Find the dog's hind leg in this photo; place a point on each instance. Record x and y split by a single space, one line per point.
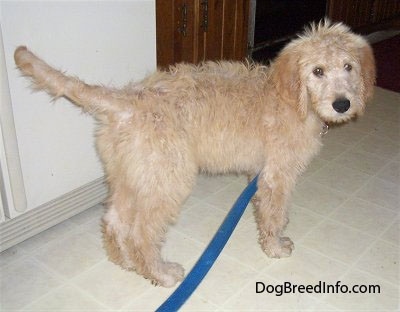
136 223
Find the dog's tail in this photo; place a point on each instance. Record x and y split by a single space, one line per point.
97 100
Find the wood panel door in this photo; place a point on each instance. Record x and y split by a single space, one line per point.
366 15
353 13
197 30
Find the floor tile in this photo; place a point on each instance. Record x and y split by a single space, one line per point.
381 192
385 106
375 144
392 234
391 172
248 299
200 222
198 304
301 221
388 111
93 227
316 164
11 255
94 213
182 249
346 134
149 300
206 186
340 178
245 238
225 198
306 267
224 279
365 124
318 198
54 233
190 202
23 282
72 255
364 216
325 307
361 161
242 180
65 298
382 260
111 285
331 150
387 299
388 129
337 241
156 296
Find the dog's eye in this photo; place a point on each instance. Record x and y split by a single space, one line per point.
348 67
318 71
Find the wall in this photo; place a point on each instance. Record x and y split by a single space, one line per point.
100 42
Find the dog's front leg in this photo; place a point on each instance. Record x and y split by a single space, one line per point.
274 188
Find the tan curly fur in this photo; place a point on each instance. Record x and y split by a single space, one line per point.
156 135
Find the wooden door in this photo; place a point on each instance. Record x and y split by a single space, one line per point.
197 30
226 37
175 31
365 15
354 13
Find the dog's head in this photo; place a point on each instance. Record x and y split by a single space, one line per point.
327 69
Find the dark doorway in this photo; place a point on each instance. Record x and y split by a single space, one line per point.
276 21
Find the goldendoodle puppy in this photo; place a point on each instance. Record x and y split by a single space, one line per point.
156 135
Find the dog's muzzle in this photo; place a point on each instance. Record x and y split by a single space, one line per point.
341 105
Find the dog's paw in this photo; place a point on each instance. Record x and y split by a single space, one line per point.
169 274
280 247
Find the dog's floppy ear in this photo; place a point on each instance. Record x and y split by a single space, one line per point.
286 78
367 62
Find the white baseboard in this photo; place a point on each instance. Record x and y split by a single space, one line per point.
18 229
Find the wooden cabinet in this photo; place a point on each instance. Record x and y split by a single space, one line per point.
366 15
197 30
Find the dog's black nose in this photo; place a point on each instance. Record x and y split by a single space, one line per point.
341 105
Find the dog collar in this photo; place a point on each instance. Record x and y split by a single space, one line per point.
324 129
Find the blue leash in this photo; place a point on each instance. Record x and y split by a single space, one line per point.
207 259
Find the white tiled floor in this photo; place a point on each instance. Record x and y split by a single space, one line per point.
344 220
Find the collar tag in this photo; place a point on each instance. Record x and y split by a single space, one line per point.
324 129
